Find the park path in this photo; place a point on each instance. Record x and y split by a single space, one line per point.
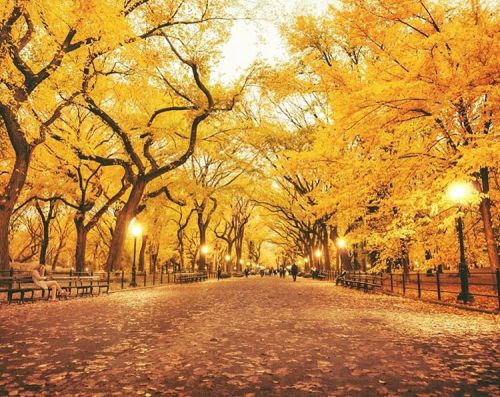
247 337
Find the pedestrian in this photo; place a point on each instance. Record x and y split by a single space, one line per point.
219 272
261 272
40 279
246 272
294 271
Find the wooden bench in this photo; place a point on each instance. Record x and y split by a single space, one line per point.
84 285
189 277
21 287
362 281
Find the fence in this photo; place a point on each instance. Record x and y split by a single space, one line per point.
483 286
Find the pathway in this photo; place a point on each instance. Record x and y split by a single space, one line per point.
247 337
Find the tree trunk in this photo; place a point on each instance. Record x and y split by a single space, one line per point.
45 242
142 252
4 239
239 246
485 208
122 222
326 250
238 249
9 196
229 251
203 239
180 248
81 244
153 256
405 259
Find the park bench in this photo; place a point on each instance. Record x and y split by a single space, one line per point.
21 287
189 277
321 276
362 281
84 285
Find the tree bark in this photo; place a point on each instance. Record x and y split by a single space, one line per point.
8 198
326 250
203 239
122 222
81 244
229 251
485 208
45 242
239 246
180 248
238 249
46 219
142 252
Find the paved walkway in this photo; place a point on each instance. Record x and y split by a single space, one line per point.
247 337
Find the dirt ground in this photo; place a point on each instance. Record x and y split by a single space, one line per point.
247 337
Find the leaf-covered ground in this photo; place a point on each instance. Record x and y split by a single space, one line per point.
246 337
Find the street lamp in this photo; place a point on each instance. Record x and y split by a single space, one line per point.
136 230
228 259
461 193
341 243
204 252
317 254
306 261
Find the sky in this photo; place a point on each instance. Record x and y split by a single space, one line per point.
261 39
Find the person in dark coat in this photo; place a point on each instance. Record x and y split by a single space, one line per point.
294 271
219 272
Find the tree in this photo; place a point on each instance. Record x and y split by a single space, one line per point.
27 100
411 90
171 46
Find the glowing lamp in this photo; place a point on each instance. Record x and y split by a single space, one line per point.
341 243
460 192
135 229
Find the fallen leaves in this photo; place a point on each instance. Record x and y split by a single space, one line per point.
335 343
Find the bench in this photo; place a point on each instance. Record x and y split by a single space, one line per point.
365 281
21 287
189 277
84 285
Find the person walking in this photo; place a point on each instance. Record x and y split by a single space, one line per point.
294 271
219 272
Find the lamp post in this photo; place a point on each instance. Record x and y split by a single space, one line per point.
317 254
306 261
461 193
341 244
228 259
204 252
136 230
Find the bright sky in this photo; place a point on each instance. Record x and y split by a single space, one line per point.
261 39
